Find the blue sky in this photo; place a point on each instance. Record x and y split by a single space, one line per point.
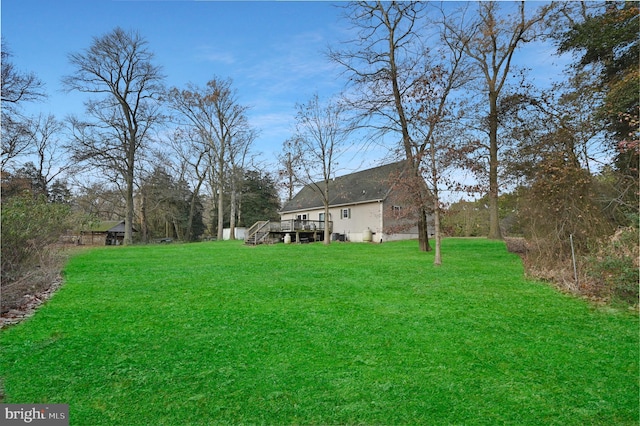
273 51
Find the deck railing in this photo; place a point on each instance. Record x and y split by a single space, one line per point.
263 230
293 225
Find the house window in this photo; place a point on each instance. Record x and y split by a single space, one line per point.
397 210
321 217
302 217
345 213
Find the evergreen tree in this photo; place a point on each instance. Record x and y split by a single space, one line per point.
259 198
608 41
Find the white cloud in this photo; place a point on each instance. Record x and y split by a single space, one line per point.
215 55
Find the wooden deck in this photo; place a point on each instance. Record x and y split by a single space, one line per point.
300 231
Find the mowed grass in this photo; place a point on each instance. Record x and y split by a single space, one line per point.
222 333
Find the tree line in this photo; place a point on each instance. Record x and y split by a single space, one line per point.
155 148
438 80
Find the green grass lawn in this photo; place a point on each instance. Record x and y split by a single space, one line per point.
221 333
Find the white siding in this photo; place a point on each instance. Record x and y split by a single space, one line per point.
362 217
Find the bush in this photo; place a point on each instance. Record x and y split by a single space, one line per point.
30 225
614 267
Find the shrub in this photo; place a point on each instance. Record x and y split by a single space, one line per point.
29 227
614 266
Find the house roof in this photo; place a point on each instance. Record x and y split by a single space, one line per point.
360 187
108 226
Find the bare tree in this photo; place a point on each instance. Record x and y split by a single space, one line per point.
100 201
117 70
384 62
15 139
322 135
51 158
289 162
491 38
192 155
431 123
239 150
17 88
220 121
432 110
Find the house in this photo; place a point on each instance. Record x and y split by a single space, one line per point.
369 205
105 233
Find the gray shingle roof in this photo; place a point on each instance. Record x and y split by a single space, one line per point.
107 225
367 185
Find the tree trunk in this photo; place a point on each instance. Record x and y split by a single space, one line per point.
128 220
192 210
494 218
232 216
213 208
437 260
239 210
327 239
423 230
421 197
327 231
144 224
177 230
220 194
220 211
221 173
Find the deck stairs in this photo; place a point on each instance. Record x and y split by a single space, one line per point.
258 233
266 231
